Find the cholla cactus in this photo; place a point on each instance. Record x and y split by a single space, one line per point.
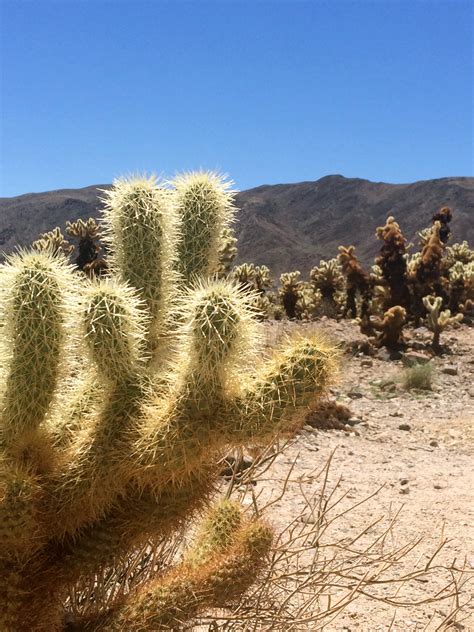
328 280
290 287
444 217
458 253
118 399
255 279
392 262
227 252
248 275
54 242
425 273
88 234
438 320
357 281
461 284
308 303
390 327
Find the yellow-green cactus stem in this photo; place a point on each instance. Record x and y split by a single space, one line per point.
204 202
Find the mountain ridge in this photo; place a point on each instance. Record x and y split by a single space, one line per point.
285 226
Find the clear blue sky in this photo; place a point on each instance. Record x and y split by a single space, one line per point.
267 91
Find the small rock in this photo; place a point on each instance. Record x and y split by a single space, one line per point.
403 481
355 394
383 354
450 369
367 362
420 331
412 358
308 428
406 427
439 485
471 392
397 413
352 421
404 490
434 443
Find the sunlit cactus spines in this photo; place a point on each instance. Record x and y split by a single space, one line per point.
37 312
141 229
119 398
205 207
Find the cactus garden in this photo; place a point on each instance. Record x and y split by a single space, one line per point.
137 358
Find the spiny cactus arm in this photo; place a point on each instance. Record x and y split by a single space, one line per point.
141 226
37 312
282 391
224 562
204 206
136 518
90 477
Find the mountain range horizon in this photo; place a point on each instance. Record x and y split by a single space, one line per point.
285 226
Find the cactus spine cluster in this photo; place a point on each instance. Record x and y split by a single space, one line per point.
118 398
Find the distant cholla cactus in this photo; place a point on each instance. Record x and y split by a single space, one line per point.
290 287
88 234
423 236
256 279
328 280
53 242
392 263
308 302
461 285
458 253
227 252
425 274
357 281
438 320
390 327
252 276
444 217
119 398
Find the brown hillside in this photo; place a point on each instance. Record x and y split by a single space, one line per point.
285 226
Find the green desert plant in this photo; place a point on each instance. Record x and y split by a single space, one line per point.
418 377
119 397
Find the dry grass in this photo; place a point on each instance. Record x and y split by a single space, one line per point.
313 573
418 377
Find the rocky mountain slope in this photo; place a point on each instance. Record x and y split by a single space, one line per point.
285 226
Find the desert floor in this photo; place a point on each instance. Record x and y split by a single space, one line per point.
416 446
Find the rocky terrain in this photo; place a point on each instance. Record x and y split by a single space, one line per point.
418 446
284 226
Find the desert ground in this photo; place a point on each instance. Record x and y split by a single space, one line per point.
416 449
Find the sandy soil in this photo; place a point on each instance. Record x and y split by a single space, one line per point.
417 445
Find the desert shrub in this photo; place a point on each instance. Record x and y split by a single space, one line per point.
418 377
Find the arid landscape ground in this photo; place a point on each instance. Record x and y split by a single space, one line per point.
416 448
